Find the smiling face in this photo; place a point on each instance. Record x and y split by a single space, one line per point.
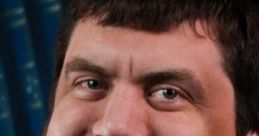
119 81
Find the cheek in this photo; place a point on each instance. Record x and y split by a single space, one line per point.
180 124
72 117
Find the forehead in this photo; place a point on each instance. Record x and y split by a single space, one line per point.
181 44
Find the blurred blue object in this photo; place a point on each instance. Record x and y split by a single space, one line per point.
28 31
6 119
44 17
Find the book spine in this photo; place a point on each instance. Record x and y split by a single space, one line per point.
44 18
6 121
19 50
50 14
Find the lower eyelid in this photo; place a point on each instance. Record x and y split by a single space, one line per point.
89 94
167 105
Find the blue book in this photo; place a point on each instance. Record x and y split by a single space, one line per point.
44 17
23 80
6 120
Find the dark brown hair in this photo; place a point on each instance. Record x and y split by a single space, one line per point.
234 23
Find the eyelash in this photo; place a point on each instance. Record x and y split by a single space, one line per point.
87 80
177 91
83 90
155 94
179 100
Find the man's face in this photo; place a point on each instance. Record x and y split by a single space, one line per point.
119 81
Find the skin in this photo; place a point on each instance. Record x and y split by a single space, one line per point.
132 71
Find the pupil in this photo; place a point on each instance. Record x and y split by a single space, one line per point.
93 84
170 94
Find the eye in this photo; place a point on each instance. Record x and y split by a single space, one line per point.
167 98
165 93
90 88
92 84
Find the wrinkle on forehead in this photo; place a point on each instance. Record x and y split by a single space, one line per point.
125 45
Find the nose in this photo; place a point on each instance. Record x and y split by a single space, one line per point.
124 115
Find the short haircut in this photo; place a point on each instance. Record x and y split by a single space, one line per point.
233 23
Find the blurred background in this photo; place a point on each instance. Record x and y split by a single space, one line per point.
27 39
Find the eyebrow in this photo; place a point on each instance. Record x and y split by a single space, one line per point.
163 74
84 65
184 77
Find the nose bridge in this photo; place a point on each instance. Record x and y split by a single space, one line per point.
124 114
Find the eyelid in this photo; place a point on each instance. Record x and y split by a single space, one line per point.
82 89
162 103
182 93
84 78
157 86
